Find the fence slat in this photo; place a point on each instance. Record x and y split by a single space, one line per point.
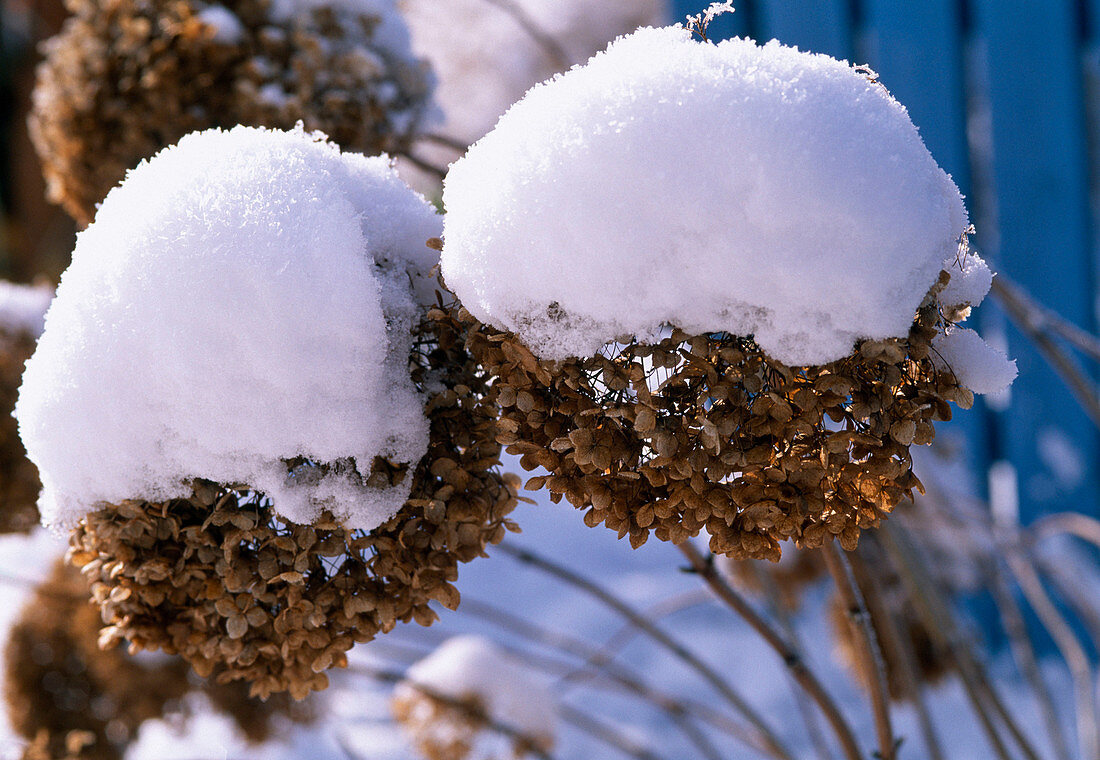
1040 175
820 26
917 49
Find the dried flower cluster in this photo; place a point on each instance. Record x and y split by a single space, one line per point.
19 484
706 431
72 699
126 78
449 730
222 580
784 582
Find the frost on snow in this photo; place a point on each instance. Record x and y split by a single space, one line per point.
242 299
474 669
716 187
975 364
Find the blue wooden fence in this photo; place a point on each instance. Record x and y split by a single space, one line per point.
1005 95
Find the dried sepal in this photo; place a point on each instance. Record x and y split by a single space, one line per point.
707 431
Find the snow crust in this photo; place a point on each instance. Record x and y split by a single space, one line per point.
473 666
243 298
977 365
23 307
755 190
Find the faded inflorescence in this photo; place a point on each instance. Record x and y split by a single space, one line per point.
125 79
221 579
707 432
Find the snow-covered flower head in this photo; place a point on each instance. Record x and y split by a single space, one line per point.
710 281
243 407
471 700
125 79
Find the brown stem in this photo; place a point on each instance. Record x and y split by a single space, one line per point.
679 711
941 625
470 709
772 599
425 166
1073 653
900 647
768 737
1079 383
797 666
867 648
554 51
1023 651
584 722
1042 318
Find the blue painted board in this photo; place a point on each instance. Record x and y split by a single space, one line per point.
1040 174
917 50
820 26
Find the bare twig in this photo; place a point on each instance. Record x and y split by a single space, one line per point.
1024 653
470 709
679 711
1032 325
582 721
901 647
769 739
797 666
1073 653
1045 319
867 648
559 59
941 625
425 166
446 141
779 612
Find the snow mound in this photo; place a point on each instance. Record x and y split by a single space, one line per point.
23 307
473 667
242 299
977 365
716 187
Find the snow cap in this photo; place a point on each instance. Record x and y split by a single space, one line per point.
717 187
242 299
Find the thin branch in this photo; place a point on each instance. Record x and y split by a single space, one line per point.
425 166
680 712
559 59
941 625
458 146
1044 319
902 649
470 709
770 740
867 648
1073 653
1082 387
1023 651
797 666
779 612
582 721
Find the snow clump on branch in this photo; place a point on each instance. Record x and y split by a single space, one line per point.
242 303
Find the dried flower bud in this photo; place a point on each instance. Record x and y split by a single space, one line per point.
222 580
707 431
126 79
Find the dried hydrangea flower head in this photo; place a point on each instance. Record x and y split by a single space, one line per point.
470 700
709 280
69 697
21 311
266 445
125 79
784 582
